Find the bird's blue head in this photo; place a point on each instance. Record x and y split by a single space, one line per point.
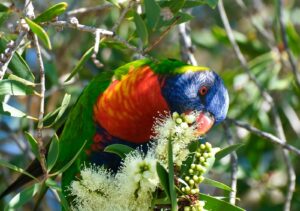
201 91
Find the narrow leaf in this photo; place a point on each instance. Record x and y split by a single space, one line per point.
59 111
216 184
152 13
64 168
213 203
163 178
51 12
114 2
81 62
33 144
15 168
226 151
3 8
8 110
22 198
56 188
16 88
176 5
119 149
194 3
171 176
141 28
17 64
40 32
53 152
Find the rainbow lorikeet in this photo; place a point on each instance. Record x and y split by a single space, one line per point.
120 106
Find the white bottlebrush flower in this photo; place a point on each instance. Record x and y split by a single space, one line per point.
137 180
181 130
94 190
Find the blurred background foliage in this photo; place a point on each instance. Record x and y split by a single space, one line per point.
262 174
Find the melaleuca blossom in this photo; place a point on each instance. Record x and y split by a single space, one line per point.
181 130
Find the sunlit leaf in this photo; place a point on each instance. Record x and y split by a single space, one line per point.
3 8
17 64
81 62
216 184
114 2
22 198
212 203
13 87
40 32
119 149
51 12
59 111
8 110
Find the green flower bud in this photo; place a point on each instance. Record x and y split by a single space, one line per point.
191 171
178 120
191 182
195 177
187 208
175 115
202 146
193 166
198 155
187 178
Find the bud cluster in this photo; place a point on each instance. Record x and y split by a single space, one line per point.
194 175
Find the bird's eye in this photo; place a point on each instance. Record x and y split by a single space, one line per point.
203 90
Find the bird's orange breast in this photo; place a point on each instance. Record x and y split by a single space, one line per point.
128 107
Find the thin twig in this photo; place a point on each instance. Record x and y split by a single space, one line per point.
42 151
268 98
268 136
9 52
76 25
234 165
122 16
285 43
163 34
187 50
84 10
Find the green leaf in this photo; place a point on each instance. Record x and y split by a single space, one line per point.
53 152
59 111
40 32
3 8
163 178
15 168
216 184
171 176
65 167
33 144
119 149
17 64
212 203
176 5
56 188
141 28
22 198
16 88
152 11
81 62
8 110
226 151
194 3
51 12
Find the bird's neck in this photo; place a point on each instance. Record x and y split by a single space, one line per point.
128 107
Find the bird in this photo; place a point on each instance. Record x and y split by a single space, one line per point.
120 107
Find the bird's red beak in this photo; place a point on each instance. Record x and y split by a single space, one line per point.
204 122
